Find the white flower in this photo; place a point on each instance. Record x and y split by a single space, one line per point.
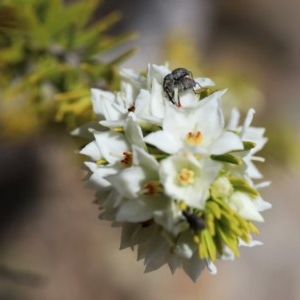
111 151
188 179
200 128
173 176
106 106
140 187
249 134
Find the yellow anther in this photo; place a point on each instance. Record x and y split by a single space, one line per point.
152 188
194 138
127 160
186 176
118 129
182 205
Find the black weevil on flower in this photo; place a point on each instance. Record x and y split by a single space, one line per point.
196 222
179 79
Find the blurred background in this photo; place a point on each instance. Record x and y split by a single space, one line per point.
52 245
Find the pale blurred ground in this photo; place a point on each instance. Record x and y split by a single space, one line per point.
66 253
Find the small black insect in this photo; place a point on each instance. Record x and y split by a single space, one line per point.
147 223
180 73
197 223
177 81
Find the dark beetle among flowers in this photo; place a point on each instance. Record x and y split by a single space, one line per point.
196 223
179 79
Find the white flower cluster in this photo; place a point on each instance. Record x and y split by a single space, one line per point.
173 175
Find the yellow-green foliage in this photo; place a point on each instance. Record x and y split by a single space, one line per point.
50 58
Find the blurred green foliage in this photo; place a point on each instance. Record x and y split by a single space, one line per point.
50 57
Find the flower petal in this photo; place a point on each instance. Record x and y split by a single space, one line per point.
244 206
128 182
164 141
91 150
144 159
111 145
134 211
193 266
227 142
204 81
98 178
133 131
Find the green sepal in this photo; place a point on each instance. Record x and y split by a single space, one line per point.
208 241
214 208
227 158
101 162
203 93
242 185
229 239
248 145
148 128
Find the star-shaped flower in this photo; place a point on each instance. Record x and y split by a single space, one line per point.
199 129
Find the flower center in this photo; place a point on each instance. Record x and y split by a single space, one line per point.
194 138
127 160
152 188
186 176
131 108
